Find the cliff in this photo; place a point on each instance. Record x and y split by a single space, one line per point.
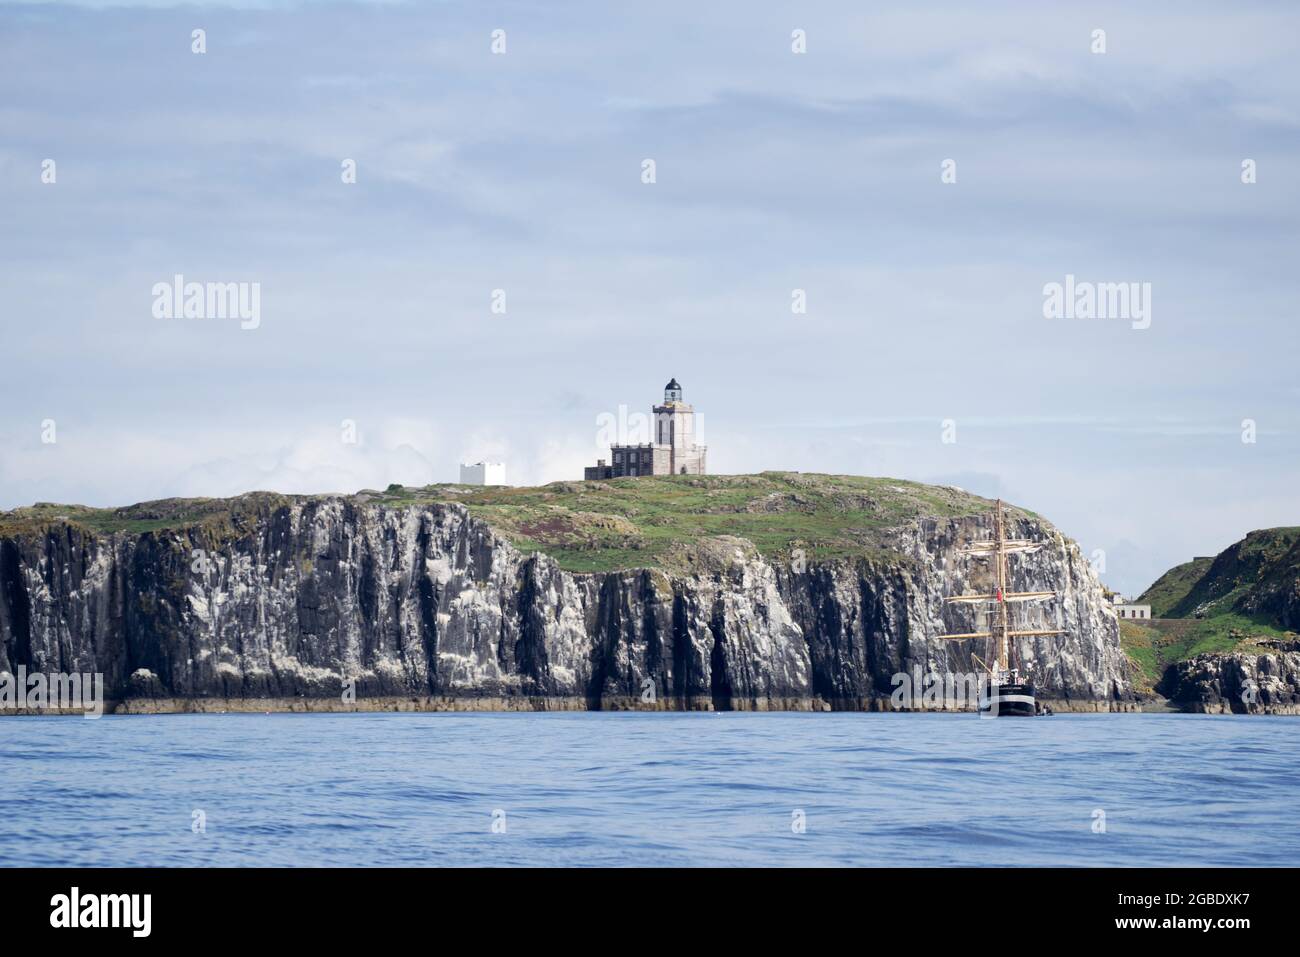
1223 639
1264 682
726 592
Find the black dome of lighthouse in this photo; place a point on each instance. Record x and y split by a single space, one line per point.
674 385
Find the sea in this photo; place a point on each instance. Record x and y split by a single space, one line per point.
650 789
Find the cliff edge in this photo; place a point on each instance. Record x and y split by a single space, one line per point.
779 590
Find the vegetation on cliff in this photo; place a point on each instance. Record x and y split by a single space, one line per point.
1172 587
1253 577
1156 644
408 593
649 521
1246 600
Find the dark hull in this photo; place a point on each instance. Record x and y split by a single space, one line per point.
1009 701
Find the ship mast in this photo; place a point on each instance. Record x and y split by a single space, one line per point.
1000 559
1001 632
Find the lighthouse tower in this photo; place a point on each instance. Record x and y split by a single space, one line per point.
673 450
674 423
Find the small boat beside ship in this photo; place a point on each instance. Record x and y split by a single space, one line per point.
1006 693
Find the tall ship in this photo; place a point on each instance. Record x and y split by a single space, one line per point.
1008 694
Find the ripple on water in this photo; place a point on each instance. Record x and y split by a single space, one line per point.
668 789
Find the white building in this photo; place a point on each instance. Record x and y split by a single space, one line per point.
1127 609
483 473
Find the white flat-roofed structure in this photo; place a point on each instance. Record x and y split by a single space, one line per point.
483 473
1133 611
1128 610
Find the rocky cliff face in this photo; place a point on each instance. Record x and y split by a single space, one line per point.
428 607
1237 683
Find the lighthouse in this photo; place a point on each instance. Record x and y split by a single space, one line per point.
674 450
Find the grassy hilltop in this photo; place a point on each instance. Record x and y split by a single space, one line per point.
649 521
1172 587
1244 597
634 522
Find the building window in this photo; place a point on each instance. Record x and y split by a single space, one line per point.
618 456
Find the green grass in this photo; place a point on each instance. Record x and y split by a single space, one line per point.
217 516
1236 571
1227 632
1174 585
1213 605
1156 644
651 521
1139 643
660 520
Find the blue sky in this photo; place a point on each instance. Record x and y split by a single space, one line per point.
774 171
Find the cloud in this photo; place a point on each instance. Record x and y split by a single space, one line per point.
776 172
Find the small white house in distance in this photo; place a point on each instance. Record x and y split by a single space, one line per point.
483 473
1126 609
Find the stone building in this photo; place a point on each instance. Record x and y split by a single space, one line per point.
673 451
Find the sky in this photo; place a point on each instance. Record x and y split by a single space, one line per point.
922 172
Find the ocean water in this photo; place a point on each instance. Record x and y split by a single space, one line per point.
649 789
